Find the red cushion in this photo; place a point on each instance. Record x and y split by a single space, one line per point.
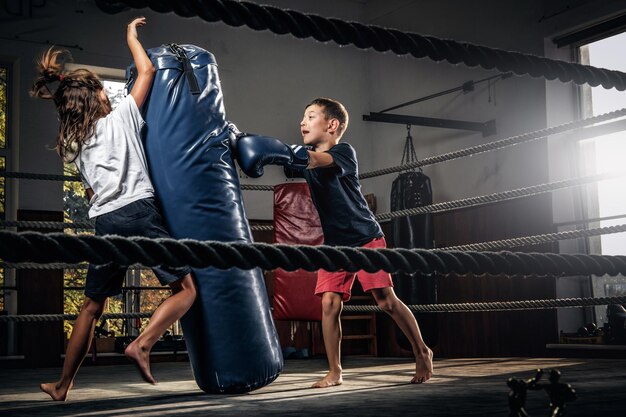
296 222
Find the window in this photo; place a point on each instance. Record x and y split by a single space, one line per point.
604 154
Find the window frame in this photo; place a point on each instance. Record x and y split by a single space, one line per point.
587 151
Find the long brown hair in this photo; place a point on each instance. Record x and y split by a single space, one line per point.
77 99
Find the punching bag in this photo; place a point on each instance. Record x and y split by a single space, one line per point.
230 336
409 190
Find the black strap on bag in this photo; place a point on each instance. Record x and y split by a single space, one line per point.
409 155
409 190
187 69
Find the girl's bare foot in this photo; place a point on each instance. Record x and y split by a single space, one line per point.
56 391
331 379
423 367
141 359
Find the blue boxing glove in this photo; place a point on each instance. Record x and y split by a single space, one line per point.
254 152
293 172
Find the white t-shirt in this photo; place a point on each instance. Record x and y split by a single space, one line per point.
113 163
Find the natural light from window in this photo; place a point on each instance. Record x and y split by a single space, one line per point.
610 150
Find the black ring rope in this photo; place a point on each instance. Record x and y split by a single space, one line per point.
262 227
58 265
482 246
34 176
485 147
30 318
432 208
498 197
498 144
254 187
538 239
302 26
496 305
76 178
37 224
493 306
98 250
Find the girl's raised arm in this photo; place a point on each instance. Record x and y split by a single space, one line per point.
145 69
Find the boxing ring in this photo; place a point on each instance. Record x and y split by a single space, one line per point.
455 380
35 250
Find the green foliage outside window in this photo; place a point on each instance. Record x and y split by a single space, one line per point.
3 106
3 140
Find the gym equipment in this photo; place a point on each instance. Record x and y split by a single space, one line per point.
230 336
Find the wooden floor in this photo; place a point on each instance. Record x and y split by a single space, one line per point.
372 387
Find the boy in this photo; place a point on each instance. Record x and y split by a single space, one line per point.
332 174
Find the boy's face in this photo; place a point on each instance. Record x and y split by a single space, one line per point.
314 126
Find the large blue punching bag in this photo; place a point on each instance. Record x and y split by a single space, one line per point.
231 339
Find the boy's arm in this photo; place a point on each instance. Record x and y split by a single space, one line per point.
145 69
320 160
316 160
89 193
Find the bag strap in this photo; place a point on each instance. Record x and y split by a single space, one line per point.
409 155
187 69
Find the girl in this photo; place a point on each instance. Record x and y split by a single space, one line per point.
106 147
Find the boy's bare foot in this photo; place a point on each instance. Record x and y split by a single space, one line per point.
56 391
330 380
141 358
423 367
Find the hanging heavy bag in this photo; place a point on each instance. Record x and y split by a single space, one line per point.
230 336
409 190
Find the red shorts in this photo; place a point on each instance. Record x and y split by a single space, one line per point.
341 281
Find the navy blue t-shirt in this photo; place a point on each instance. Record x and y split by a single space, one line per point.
336 192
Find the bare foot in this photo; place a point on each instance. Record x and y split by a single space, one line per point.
56 391
141 358
423 367
331 379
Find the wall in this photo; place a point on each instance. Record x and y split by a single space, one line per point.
256 68
267 79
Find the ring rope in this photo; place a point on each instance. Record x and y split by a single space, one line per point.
47 224
262 227
58 265
419 308
432 208
497 305
81 225
34 176
498 197
498 144
484 246
253 187
301 25
473 150
27 318
76 178
538 239
98 250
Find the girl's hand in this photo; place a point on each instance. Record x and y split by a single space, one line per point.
132 26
